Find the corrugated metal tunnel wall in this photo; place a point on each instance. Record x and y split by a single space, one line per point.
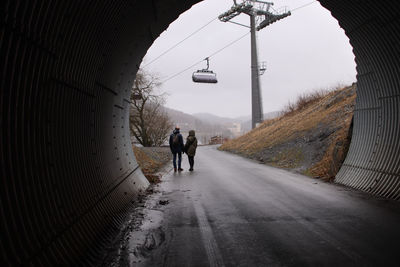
66 67
373 161
68 170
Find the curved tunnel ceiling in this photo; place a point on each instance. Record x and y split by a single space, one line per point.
68 171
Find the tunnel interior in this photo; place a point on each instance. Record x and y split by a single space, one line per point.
68 170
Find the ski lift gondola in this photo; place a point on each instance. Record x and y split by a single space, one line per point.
205 75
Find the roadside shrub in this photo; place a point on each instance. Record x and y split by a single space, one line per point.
289 108
306 99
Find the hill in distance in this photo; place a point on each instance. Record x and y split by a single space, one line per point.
208 125
205 129
214 119
244 121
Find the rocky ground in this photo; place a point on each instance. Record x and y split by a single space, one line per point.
311 137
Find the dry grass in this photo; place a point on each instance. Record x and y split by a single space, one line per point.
303 101
308 113
149 165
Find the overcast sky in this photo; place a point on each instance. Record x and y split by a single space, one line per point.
303 52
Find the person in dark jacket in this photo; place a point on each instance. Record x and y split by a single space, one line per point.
176 146
190 148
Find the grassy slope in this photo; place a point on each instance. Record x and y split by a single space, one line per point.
151 160
319 127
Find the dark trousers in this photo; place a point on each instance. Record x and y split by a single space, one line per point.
179 159
191 161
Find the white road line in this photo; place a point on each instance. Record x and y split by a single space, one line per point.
210 245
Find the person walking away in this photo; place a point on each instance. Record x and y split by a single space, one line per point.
190 148
176 146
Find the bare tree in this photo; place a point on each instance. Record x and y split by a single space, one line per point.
149 123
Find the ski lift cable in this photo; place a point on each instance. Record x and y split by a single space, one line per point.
211 55
178 43
202 27
182 71
303 6
216 52
228 45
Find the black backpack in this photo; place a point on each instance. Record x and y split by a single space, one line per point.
175 140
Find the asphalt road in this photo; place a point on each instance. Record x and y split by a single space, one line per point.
236 212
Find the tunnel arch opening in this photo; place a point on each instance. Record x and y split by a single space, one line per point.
182 45
66 67
232 62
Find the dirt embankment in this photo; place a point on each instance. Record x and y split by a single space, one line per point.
311 137
151 160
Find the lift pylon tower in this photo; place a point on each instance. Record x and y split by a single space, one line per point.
261 16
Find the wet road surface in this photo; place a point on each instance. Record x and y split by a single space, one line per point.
236 212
